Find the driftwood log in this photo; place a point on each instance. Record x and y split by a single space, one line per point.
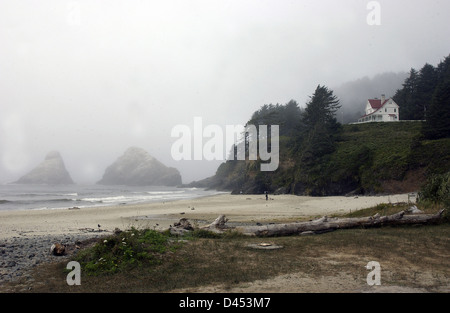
181 227
326 224
218 226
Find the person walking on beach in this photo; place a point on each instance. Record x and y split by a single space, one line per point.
267 196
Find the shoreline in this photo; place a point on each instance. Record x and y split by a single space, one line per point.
26 235
48 197
159 215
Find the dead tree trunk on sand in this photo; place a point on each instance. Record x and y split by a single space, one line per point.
218 226
326 224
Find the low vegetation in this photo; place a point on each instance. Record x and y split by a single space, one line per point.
321 157
126 250
142 260
436 190
368 158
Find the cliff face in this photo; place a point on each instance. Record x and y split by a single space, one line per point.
51 171
372 158
138 168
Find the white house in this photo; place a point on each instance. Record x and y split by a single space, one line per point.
381 110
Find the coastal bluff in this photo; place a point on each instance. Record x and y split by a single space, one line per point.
136 167
51 171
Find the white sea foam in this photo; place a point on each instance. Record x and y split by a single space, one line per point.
17 197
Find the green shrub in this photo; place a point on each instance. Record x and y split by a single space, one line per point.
437 189
125 250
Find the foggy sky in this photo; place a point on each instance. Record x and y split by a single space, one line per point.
92 78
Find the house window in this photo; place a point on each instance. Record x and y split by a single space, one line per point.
385 110
395 110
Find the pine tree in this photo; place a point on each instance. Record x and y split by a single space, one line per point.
438 114
321 108
406 97
319 124
426 85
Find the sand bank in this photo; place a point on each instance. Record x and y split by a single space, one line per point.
238 208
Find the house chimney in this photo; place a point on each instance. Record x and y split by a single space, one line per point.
383 98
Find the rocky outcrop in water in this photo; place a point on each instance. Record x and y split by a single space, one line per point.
51 171
138 168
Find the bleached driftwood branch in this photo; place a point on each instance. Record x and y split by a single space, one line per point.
326 224
219 224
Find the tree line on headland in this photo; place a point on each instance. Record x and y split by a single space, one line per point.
425 96
319 156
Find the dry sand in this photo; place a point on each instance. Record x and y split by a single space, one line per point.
238 208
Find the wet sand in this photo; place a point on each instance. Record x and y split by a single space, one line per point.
237 208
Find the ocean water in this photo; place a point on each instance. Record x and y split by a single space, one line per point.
41 197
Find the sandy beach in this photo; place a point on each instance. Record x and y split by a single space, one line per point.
238 208
26 235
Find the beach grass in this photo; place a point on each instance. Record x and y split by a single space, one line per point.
416 257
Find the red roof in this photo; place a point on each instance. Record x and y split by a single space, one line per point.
376 103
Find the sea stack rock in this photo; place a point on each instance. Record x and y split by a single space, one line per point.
138 168
51 171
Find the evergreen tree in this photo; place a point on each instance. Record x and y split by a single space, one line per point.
406 97
443 69
320 126
291 117
416 95
438 115
287 116
426 86
437 124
